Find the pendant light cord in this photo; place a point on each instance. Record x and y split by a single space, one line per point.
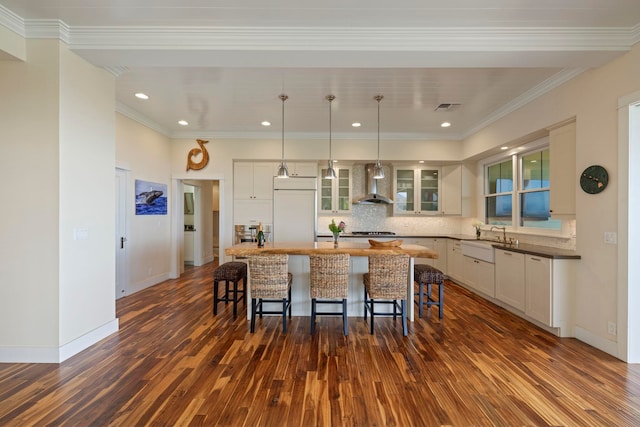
283 97
378 98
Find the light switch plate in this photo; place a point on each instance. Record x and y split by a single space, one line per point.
611 237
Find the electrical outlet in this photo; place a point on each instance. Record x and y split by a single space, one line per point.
611 237
611 328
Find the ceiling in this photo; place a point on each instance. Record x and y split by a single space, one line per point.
221 65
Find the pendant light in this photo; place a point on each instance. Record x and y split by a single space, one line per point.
378 171
282 170
330 173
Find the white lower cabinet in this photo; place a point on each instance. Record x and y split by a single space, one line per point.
479 275
538 285
510 278
454 260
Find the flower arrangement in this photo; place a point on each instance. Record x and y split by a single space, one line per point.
337 228
477 225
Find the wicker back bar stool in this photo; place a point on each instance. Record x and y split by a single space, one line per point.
427 275
386 283
270 282
329 284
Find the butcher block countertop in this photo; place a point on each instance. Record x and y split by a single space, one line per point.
344 247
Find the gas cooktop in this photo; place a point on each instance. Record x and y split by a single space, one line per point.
373 233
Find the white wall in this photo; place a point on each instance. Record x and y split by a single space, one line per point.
592 98
87 196
146 154
29 270
57 293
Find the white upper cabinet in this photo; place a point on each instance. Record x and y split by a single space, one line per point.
416 191
452 190
253 180
335 194
302 168
562 171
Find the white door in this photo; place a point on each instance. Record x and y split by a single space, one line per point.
121 234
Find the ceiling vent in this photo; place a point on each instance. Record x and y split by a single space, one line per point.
447 107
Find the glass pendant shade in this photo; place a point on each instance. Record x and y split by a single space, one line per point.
282 170
330 173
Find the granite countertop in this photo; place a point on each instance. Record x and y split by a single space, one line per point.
524 248
351 248
542 251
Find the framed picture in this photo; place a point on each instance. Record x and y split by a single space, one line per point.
151 198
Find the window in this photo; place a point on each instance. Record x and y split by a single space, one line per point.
525 205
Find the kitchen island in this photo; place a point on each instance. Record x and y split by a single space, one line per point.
299 267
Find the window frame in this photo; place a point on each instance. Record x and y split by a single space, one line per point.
516 156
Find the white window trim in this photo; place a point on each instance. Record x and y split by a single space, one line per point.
537 145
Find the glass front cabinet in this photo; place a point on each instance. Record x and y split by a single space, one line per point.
335 194
417 191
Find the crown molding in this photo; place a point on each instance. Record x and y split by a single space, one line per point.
12 21
528 96
346 39
635 34
47 29
325 38
142 119
310 136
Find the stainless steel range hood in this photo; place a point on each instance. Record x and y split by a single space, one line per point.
372 196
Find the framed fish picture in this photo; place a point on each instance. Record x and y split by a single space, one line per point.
151 198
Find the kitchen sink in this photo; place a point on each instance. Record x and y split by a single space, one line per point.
479 249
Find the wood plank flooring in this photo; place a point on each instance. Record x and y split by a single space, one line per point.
174 364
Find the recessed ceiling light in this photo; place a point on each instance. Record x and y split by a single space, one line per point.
445 124
183 122
533 161
335 161
266 123
421 161
356 125
504 148
142 95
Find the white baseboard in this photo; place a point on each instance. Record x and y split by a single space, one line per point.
149 281
57 354
610 347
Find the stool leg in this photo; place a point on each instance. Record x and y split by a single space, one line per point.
253 315
284 315
234 292
226 292
404 317
421 298
441 300
345 324
313 315
372 311
215 297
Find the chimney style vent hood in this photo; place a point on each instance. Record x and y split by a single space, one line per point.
372 196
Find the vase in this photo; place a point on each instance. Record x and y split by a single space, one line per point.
477 233
335 239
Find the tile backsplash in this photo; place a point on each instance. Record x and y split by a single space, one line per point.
380 218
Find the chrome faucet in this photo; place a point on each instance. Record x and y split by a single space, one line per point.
504 232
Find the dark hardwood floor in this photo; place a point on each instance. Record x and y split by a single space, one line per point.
174 364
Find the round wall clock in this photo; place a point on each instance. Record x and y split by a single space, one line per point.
594 179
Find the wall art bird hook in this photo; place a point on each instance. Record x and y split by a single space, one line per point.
196 151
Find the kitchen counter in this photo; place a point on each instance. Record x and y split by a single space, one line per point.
541 251
359 264
524 248
344 247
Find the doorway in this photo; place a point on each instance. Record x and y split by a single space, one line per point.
122 267
628 230
201 221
